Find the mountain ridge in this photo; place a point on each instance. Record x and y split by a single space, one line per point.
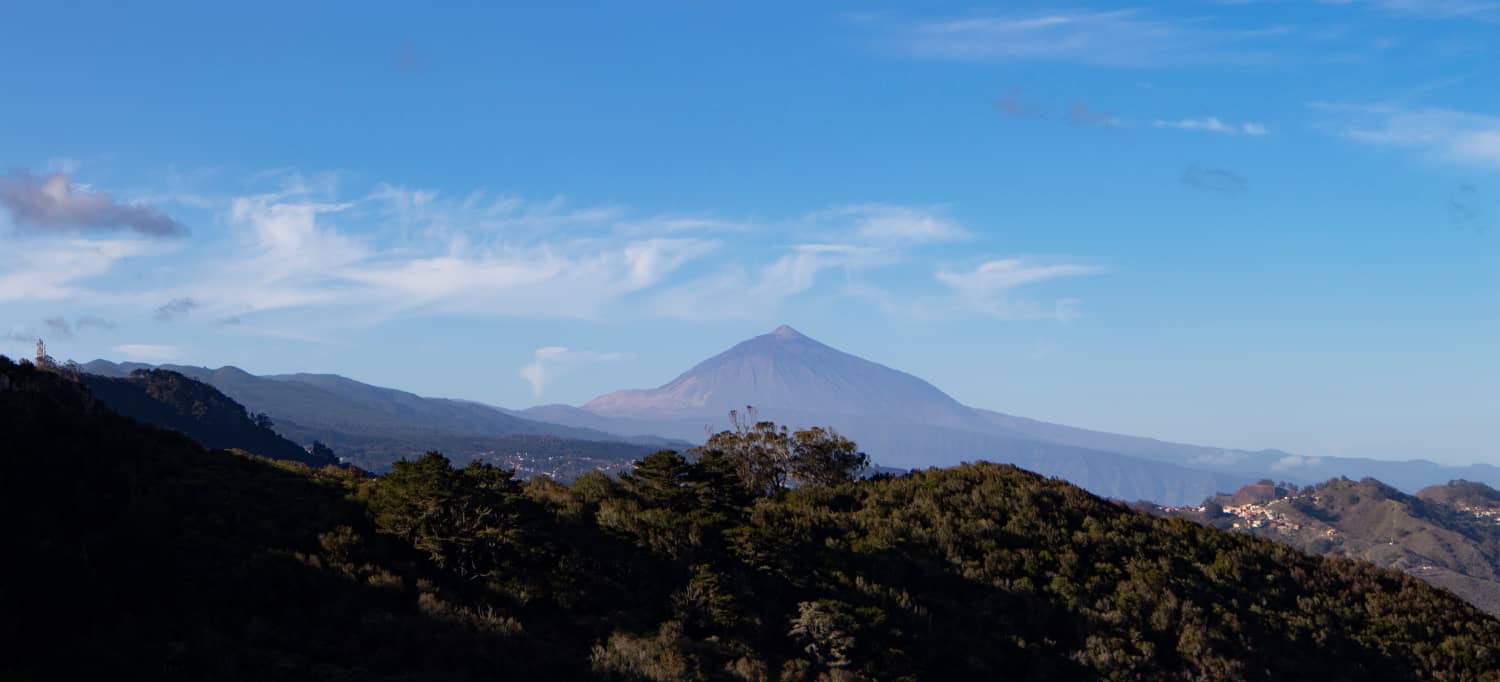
853 394
374 426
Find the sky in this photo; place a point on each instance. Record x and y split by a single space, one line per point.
1242 223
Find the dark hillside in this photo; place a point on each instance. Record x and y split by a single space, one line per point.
135 553
171 400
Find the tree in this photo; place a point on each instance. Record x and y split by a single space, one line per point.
43 360
321 451
462 518
823 457
263 420
765 457
759 450
662 480
825 628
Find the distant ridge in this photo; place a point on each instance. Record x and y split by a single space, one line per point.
373 426
904 421
171 400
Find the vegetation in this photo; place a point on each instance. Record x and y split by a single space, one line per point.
136 552
1447 535
372 427
168 399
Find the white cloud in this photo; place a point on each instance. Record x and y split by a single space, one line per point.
1455 136
891 223
738 293
146 352
550 362
1214 125
1119 38
302 262
45 269
1430 8
985 288
565 280
1295 462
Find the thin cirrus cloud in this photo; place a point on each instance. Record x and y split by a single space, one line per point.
550 362
1213 124
289 257
889 223
1448 9
55 202
750 293
1444 134
1118 38
987 287
147 352
57 270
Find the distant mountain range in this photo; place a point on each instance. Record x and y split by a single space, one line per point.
901 420
1448 535
897 418
171 400
372 427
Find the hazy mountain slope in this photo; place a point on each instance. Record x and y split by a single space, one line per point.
1409 475
133 553
787 371
171 400
1462 495
373 426
906 422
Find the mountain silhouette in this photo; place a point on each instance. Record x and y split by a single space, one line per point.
904 421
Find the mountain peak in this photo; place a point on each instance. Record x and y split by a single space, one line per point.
784 372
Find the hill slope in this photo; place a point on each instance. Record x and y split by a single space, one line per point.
173 401
1448 535
136 553
373 426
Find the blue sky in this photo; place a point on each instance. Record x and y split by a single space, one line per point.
1250 224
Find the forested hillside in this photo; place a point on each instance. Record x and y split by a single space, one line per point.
372 427
168 399
136 553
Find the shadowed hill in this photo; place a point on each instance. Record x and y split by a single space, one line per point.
133 552
173 401
373 426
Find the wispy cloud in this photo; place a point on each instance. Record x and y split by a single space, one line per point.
55 202
1119 38
1444 134
1459 9
987 286
738 292
1213 124
147 352
888 223
550 362
54 269
1216 180
288 256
